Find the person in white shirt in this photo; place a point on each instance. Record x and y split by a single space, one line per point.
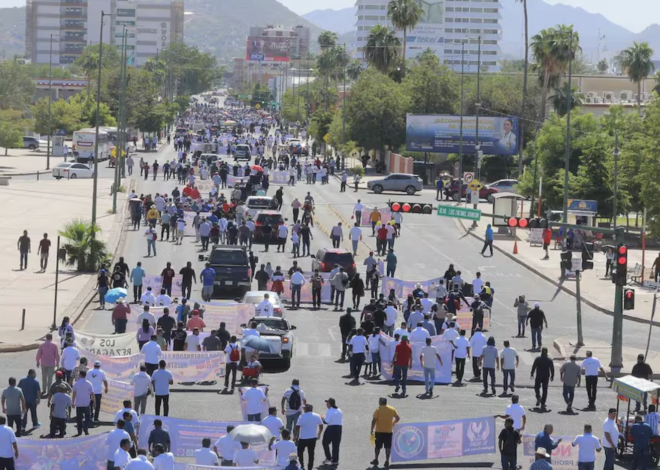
113 441
245 457
163 300
9 445
282 232
374 349
162 460
70 357
193 343
265 308
226 447
334 419
152 354
426 303
148 298
336 235
254 397
419 333
355 236
477 284
205 456
122 457
135 419
141 387
427 360
357 211
391 314
146 314
272 422
477 345
297 281
308 429
284 448
461 354
99 382
516 412
358 345
509 360
588 446
403 330
592 366
610 438
451 333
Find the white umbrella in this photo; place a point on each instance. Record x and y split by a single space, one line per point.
251 433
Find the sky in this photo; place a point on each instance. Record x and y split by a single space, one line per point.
632 14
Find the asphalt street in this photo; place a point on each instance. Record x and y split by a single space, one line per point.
427 245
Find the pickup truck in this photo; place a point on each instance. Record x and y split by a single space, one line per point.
232 269
279 334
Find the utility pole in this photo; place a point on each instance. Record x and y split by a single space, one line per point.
477 147
307 100
120 131
50 99
568 127
343 107
96 143
616 174
460 141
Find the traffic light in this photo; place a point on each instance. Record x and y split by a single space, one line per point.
566 260
587 256
621 265
527 222
628 299
414 208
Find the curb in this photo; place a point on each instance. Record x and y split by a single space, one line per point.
12 348
34 173
554 282
560 348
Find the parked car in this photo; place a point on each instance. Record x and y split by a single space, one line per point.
243 152
31 143
72 170
503 186
326 258
268 217
409 184
255 297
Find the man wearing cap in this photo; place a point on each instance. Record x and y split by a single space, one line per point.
99 382
195 322
59 386
334 418
536 319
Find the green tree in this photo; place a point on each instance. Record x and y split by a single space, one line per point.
593 180
382 48
151 117
650 167
88 61
320 124
11 135
327 39
561 97
376 112
66 116
84 251
602 66
404 15
432 87
16 86
354 69
552 49
637 63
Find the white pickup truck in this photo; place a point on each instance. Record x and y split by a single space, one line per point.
279 334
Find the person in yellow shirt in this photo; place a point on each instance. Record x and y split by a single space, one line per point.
385 417
374 218
153 216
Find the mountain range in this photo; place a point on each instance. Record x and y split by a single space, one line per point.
541 15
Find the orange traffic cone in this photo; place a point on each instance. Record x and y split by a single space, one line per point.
515 248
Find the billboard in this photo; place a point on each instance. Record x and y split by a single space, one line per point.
441 134
270 49
429 32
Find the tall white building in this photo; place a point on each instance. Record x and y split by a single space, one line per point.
152 25
446 24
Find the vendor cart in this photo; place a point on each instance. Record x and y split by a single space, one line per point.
630 389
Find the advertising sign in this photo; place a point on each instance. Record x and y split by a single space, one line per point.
443 439
270 49
80 453
441 134
564 457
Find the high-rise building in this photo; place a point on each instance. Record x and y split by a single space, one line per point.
445 26
152 25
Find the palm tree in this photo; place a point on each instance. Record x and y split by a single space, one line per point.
353 70
636 61
83 250
560 98
553 49
382 48
327 39
89 63
404 14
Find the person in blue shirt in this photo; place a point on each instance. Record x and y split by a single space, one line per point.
438 188
488 241
641 433
544 440
391 263
31 391
137 277
207 276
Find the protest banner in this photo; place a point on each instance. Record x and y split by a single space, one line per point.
306 290
191 466
107 345
113 401
156 284
185 366
385 215
78 453
443 439
188 217
280 177
186 435
416 373
231 313
244 406
564 457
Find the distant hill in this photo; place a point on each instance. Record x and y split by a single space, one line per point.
12 32
338 21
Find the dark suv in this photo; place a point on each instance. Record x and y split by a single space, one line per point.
272 218
326 258
232 269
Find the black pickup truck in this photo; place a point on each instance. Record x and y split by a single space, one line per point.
232 269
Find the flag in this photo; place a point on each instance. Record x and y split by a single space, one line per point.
130 59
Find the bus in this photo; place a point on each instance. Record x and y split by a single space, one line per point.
84 141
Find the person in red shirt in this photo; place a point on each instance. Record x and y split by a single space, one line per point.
195 322
120 316
168 275
187 190
402 362
547 238
381 241
194 193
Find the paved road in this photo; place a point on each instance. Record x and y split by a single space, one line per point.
428 244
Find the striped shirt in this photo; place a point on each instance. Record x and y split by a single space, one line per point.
652 420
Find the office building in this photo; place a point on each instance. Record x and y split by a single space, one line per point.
445 25
152 25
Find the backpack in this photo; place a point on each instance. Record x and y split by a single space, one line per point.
235 354
294 400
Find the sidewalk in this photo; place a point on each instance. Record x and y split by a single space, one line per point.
596 290
25 162
38 207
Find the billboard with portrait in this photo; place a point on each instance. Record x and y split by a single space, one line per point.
270 49
441 134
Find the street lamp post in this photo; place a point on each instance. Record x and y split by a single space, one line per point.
50 99
616 175
568 127
96 143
